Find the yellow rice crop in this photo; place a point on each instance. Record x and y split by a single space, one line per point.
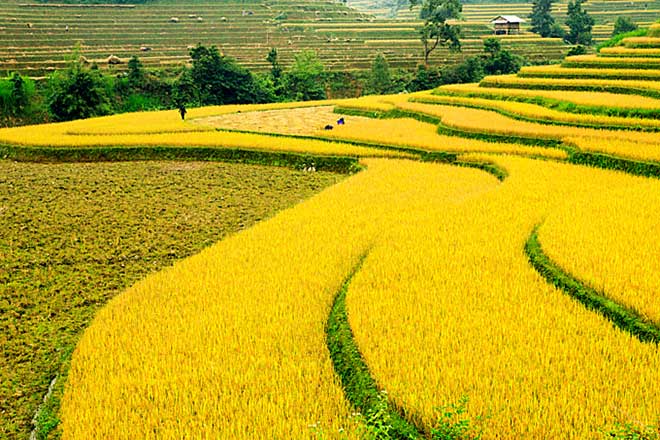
224 109
594 59
534 111
448 305
394 132
231 343
485 121
378 103
641 42
167 121
295 121
558 71
600 99
629 52
55 135
610 244
504 80
416 134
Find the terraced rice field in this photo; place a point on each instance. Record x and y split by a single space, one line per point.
491 242
38 39
604 12
64 254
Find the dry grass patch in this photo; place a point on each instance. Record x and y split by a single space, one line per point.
294 121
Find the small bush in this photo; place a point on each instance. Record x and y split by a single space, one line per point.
577 50
453 424
616 40
632 431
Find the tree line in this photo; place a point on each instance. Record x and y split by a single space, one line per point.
578 21
83 91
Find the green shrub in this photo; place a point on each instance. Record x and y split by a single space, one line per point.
632 431
616 40
623 25
453 424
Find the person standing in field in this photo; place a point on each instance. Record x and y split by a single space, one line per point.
182 111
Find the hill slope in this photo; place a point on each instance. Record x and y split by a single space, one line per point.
38 38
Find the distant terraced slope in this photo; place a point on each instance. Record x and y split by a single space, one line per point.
37 39
605 12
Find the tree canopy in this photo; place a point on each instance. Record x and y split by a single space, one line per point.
541 18
78 93
219 79
579 23
623 25
380 81
304 81
436 31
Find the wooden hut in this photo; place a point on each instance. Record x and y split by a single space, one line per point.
506 24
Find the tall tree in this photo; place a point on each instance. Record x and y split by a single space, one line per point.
436 31
498 61
19 94
380 80
135 72
276 68
219 79
276 72
78 93
542 20
184 90
623 25
304 82
579 23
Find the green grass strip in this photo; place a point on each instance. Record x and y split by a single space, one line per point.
337 164
625 318
359 386
606 161
499 172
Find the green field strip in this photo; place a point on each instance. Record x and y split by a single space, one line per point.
520 117
557 104
625 318
299 161
490 137
359 386
611 162
499 172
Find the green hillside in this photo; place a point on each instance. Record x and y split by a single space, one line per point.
38 38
